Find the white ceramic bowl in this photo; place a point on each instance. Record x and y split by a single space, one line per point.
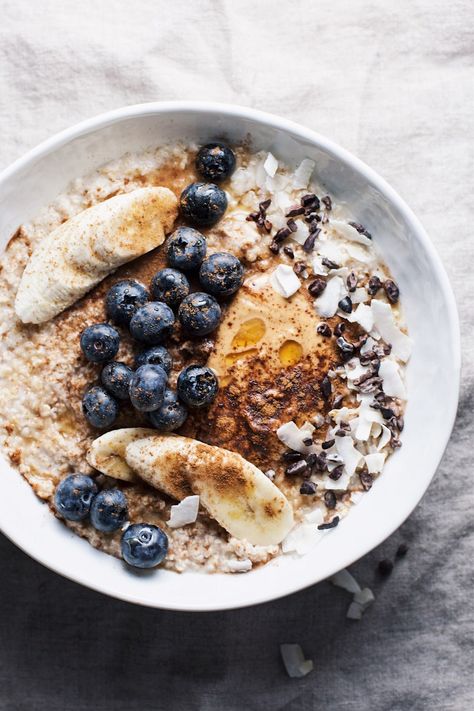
433 372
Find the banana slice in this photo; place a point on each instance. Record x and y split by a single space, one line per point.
107 452
235 492
76 256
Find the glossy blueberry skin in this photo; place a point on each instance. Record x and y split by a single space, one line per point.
197 386
199 313
156 355
109 510
221 274
144 545
147 387
99 407
115 378
203 204
74 495
170 286
152 323
123 299
171 415
100 342
215 162
186 248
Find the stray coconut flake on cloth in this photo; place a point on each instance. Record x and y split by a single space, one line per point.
345 580
362 597
294 660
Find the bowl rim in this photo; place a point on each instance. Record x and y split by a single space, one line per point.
270 120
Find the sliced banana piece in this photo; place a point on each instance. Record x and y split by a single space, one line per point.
76 256
234 491
107 452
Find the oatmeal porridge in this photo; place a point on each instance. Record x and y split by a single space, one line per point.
203 358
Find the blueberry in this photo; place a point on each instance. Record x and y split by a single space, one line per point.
186 248
171 415
215 162
74 495
170 286
156 355
123 299
100 409
147 387
203 204
144 545
197 385
100 342
199 313
152 322
221 274
115 378
109 510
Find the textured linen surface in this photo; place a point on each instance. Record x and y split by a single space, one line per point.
394 83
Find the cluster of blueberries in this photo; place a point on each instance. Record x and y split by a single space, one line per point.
77 498
151 322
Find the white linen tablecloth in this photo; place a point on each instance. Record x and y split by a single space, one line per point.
394 83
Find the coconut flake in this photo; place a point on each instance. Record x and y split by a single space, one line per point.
261 174
318 266
355 611
332 250
364 598
359 253
239 566
243 180
356 496
303 173
340 484
367 347
185 512
282 200
343 579
367 416
271 165
375 462
284 281
364 316
385 438
327 304
350 455
301 234
293 658
359 295
302 538
354 369
316 516
389 331
349 232
392 384
293 436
